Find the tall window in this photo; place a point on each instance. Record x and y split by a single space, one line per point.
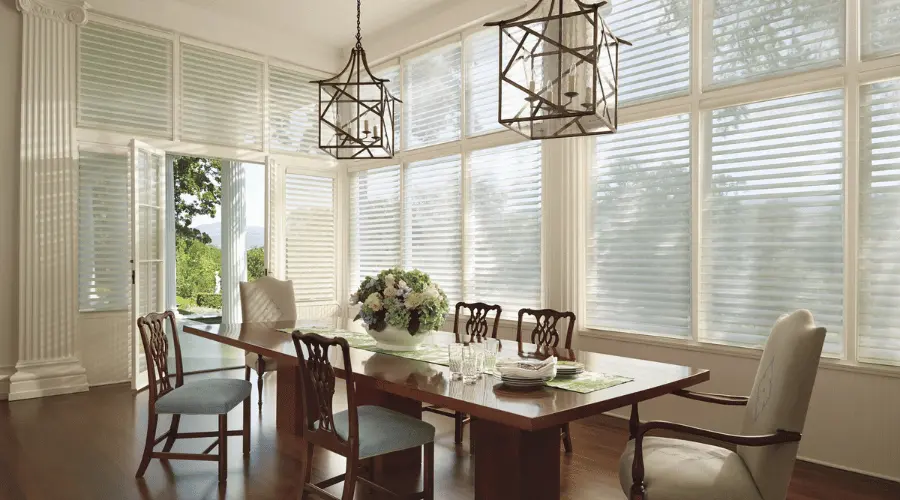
432 93
374 222
310 253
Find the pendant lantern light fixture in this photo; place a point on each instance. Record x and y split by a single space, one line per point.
356 110
559 66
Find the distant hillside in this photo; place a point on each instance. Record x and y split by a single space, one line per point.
256 235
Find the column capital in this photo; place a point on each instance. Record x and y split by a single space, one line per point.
66 11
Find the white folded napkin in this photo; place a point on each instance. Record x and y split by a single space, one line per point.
527 368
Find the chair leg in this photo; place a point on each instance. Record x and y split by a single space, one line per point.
471 436
246 433
306 470
428 472
350 478
260 371
173 429
247 373
223 448
148 444
567 438
458 427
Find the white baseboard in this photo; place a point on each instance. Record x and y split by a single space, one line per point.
5 373
47 378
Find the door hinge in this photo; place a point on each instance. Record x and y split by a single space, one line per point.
132 277
265 272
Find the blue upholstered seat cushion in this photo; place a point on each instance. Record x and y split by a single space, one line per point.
384 431
205 397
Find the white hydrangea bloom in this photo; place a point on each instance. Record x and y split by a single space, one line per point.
390 291
413 300
431 292
402 285
389 280
373 302
354 299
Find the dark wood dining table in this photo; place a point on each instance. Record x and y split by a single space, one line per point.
516 434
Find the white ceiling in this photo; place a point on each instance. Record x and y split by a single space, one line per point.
332 22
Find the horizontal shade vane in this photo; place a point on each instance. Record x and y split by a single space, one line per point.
309 226
374 223
432 93
293 112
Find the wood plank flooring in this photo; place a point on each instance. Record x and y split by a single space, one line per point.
87 446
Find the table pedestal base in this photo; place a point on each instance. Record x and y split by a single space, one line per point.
512 463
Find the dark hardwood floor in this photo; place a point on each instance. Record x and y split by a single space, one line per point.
87 446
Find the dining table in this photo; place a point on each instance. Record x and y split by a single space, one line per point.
516 433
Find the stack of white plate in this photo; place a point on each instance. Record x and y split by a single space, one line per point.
522 382
569 369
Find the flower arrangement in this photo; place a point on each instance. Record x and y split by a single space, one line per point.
403 299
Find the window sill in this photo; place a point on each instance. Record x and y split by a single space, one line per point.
733 351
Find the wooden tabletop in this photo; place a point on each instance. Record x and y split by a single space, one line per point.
486 399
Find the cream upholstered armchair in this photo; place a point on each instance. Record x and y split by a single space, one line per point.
266 299
654 468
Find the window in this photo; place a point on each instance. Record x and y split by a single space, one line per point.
221 98
392 74
482 76
503 227
773 218
432 221
104 228
751 39
432 96
659 62
293 112
639 247
374 222
124 80
310 254
880 36
879 231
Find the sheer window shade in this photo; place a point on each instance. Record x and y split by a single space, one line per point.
773 218
222 98
433 88
482 82
124 80
310 254
293 112
879 231
751 39
879 35
104 231
392 74
503 229
639 247
659 62
432 217
374 222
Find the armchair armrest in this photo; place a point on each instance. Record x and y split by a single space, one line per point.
637 469
706 397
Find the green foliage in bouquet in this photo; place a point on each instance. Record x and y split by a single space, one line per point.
402 299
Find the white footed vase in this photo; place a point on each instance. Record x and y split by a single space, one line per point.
396 339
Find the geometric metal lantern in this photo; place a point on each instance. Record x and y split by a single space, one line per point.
558 71
356 110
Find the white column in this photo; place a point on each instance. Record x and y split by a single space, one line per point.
48 211
171 294
234 239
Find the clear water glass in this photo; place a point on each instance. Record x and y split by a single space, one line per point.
478 348
470 364
456 360
491 349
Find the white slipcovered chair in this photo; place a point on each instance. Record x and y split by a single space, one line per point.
654 468
265 300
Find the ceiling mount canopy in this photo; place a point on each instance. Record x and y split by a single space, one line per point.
356 110
558 71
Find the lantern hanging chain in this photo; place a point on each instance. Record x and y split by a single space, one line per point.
358 25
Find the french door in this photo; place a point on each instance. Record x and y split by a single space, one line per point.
149 193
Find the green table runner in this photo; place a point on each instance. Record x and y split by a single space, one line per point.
584 383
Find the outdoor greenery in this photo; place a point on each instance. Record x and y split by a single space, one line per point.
198 264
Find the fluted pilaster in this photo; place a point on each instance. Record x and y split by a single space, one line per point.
48 243
234 239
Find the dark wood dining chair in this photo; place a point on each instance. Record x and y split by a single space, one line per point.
478 327
546 334
201 397
359 433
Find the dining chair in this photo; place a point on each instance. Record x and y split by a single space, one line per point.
477 328
201 397
654 468
358 433
546 334
265 300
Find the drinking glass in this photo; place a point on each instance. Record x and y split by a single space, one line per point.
456 360
491 349
478 349
470 364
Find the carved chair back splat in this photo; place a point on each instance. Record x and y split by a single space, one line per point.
546 329
477 328
156 350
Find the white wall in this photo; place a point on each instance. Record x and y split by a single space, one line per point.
10 78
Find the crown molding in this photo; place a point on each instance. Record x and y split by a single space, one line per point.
73 12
